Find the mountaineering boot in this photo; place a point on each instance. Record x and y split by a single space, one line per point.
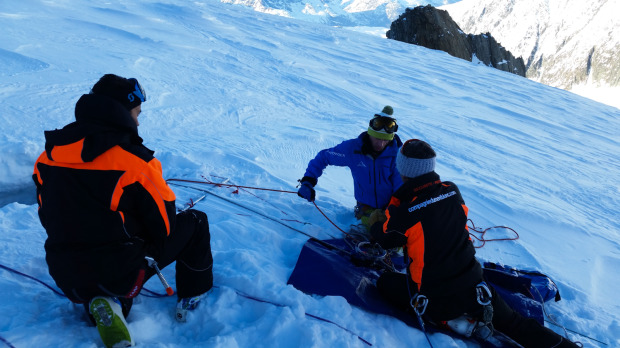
110 322
187 304
463 325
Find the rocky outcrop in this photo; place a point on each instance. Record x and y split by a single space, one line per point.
433 28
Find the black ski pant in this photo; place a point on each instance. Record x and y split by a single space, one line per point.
189 244
398 288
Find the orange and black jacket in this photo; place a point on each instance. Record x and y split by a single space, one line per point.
428 218
102 201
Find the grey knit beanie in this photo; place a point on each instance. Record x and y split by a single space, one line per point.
415 158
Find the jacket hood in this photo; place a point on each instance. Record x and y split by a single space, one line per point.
101 123
103 110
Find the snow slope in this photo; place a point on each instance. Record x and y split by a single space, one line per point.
251 97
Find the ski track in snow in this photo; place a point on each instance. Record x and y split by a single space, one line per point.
251 97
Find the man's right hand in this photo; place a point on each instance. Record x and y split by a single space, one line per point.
306 191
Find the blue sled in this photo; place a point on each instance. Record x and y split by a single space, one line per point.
325 268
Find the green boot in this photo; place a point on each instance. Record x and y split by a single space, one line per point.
110 322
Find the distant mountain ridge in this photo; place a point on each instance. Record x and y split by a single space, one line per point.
349 13
564 43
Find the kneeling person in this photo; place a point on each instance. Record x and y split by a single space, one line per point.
106 207
428 218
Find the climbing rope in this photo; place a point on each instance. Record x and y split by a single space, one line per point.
549 319
8 344
472 228
482 233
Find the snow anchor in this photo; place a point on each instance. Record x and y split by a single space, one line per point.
152 263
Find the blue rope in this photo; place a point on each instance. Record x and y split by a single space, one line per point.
307 314
6 342
150 293
258 299
33 278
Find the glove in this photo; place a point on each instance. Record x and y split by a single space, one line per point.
378 215
306 191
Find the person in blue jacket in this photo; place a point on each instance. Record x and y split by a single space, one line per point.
371 157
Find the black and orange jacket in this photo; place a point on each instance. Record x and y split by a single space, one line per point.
102 200
428 218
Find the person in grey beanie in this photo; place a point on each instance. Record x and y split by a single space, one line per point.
428 218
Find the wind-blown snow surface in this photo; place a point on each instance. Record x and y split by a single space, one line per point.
233 93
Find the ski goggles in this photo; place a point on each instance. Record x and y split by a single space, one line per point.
385 123
139 91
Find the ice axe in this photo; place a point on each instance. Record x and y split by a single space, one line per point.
152 263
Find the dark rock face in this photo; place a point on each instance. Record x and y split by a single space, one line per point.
491 53
435 29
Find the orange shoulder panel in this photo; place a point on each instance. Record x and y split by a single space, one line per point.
71 153
394 201
415 250
42 158
149 175
466 210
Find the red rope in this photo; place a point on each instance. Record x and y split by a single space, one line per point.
319 209
483 232
471 228
209 182
238 187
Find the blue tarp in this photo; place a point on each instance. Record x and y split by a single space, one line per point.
324 268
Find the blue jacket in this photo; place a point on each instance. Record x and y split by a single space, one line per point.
375 179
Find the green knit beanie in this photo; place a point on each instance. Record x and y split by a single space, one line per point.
382 134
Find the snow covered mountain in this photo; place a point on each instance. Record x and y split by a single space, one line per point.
349 13
567 44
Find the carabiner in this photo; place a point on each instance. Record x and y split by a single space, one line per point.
419 303
483 294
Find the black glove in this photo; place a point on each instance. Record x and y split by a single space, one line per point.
307 188
306 191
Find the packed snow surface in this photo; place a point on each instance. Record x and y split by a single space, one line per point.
238 95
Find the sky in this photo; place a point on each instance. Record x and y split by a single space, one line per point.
249 98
